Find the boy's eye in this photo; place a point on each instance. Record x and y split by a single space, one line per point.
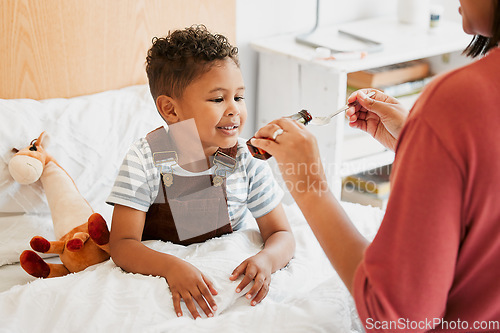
217 100
239 98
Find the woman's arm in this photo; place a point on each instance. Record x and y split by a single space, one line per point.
299 161
341 241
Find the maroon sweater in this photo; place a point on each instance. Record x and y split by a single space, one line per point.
437 253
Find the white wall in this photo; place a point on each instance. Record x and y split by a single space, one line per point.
257 19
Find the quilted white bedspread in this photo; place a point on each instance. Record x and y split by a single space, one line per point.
305 296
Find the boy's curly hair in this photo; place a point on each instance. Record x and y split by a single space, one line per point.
173 62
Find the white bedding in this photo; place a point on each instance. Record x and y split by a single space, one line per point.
306 296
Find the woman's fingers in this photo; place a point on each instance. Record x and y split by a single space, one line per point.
268 130
286 124
290 128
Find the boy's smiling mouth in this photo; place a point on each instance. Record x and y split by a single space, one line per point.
231 129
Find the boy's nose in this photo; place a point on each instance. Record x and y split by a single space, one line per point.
232 111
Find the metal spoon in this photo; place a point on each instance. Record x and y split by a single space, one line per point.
320 121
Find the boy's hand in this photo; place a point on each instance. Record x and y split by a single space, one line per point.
257 268
188 283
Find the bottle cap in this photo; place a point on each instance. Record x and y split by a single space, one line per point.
306 116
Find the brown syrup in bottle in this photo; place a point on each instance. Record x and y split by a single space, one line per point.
303 117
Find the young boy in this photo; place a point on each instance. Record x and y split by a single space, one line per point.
196 82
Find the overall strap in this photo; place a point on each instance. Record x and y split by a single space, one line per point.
224 161
159 141
229 151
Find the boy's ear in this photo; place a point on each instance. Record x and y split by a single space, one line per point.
166 108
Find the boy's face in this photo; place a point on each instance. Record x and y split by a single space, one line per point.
215 101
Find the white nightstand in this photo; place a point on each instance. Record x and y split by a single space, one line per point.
291 79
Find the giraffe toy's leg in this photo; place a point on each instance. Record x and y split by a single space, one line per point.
99 232
40 244
34 265
77 241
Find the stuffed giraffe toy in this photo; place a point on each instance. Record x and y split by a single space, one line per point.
82 235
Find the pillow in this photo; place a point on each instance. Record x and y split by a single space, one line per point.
88 136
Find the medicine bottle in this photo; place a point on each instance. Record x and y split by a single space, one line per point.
303 117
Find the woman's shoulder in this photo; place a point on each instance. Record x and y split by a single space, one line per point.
454 107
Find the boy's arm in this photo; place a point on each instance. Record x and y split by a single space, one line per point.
127 251
126 248
279 247
279 243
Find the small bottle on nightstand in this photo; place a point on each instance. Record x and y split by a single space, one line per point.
303 117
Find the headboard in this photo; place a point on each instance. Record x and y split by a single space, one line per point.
69 48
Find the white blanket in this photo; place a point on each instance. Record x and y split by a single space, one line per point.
305 296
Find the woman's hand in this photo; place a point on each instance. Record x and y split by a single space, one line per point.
188 283
258 269
381 116
297 154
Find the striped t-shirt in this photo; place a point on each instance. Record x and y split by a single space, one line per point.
251 187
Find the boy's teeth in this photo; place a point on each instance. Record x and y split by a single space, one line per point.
229 128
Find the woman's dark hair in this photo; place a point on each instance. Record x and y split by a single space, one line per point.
173 62
480 45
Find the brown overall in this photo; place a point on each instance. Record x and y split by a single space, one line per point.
188 209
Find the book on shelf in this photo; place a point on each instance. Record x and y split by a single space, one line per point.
389 75
363 198
401 89
375 181
371 187
406 88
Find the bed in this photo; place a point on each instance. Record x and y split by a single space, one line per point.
76 70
